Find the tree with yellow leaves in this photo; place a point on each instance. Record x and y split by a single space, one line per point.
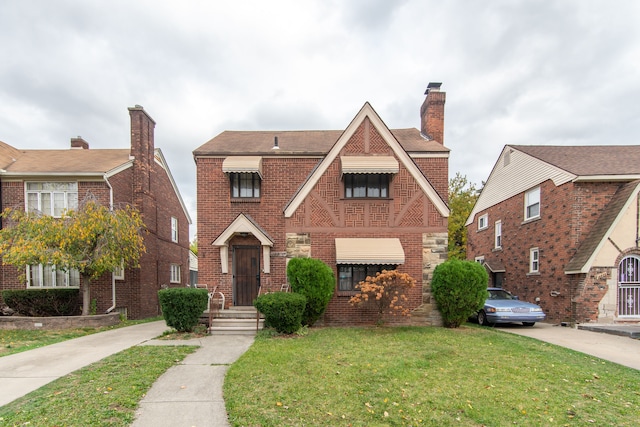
92 240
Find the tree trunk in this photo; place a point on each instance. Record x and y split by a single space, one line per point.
86 294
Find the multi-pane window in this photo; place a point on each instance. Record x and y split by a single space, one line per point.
52 198
174 229
362 185
175 273
47 276
350 275
245 185
118 272
532 203
498 234
534 260
483 221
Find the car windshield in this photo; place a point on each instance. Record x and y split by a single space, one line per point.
499 294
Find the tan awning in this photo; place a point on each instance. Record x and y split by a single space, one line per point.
369 164
243 164
369 251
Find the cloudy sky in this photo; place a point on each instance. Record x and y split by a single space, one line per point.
515 72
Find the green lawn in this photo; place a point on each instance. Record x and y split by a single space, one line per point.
16 341
105 393
425 376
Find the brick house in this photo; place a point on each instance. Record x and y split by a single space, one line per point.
559 226
360 199
53 180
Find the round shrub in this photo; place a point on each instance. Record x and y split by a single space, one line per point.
282 310
460 289
315 280
182 307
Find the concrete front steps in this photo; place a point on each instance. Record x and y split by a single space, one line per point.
234 321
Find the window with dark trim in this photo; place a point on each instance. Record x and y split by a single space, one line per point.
349 275
245 185
366 186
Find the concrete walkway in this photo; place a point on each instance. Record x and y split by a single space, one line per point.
21 373
190 393
608 344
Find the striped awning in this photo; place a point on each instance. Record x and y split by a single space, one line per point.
369 164
243 164
369 251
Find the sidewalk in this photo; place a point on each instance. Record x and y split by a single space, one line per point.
607 344
21 373
190 393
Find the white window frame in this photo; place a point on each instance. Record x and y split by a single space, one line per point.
51 198
531 199
54 277
175 273
118 272
483 221
479 259
174 229
498 234
534 260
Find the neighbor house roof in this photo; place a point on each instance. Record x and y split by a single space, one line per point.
588 160
70 161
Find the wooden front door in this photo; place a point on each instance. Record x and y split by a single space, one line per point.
246 274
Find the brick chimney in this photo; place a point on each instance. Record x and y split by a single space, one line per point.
432 113
79 143
142 151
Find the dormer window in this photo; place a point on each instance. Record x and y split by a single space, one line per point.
367 177
245 176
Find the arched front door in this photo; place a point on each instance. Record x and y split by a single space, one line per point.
246 274
629 287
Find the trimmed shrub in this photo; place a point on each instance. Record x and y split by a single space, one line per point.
460 289
43 302
315 280
282 310
182 307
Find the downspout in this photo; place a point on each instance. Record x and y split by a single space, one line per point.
113 278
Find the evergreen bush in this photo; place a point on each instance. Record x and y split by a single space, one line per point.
43 302
182 307
282 311
315 280
460 289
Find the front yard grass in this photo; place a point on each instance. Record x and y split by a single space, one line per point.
18 340
425 376
105 393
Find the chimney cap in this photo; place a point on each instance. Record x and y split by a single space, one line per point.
433 86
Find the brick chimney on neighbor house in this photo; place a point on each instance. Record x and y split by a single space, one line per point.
143 153
432 113
79 143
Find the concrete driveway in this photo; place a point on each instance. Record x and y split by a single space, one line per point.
614 348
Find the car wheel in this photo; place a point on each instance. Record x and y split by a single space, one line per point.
528 323
482 318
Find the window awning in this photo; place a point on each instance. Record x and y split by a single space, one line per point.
243 164
369 251
369 164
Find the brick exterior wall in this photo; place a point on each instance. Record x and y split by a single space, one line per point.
321 218
147 187
567 215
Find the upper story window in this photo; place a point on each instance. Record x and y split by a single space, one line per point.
483 222
532 203
245 185
174 229
498 234
367 186
51 198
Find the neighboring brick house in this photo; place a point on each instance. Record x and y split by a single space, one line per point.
53 180
360 199
559 226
